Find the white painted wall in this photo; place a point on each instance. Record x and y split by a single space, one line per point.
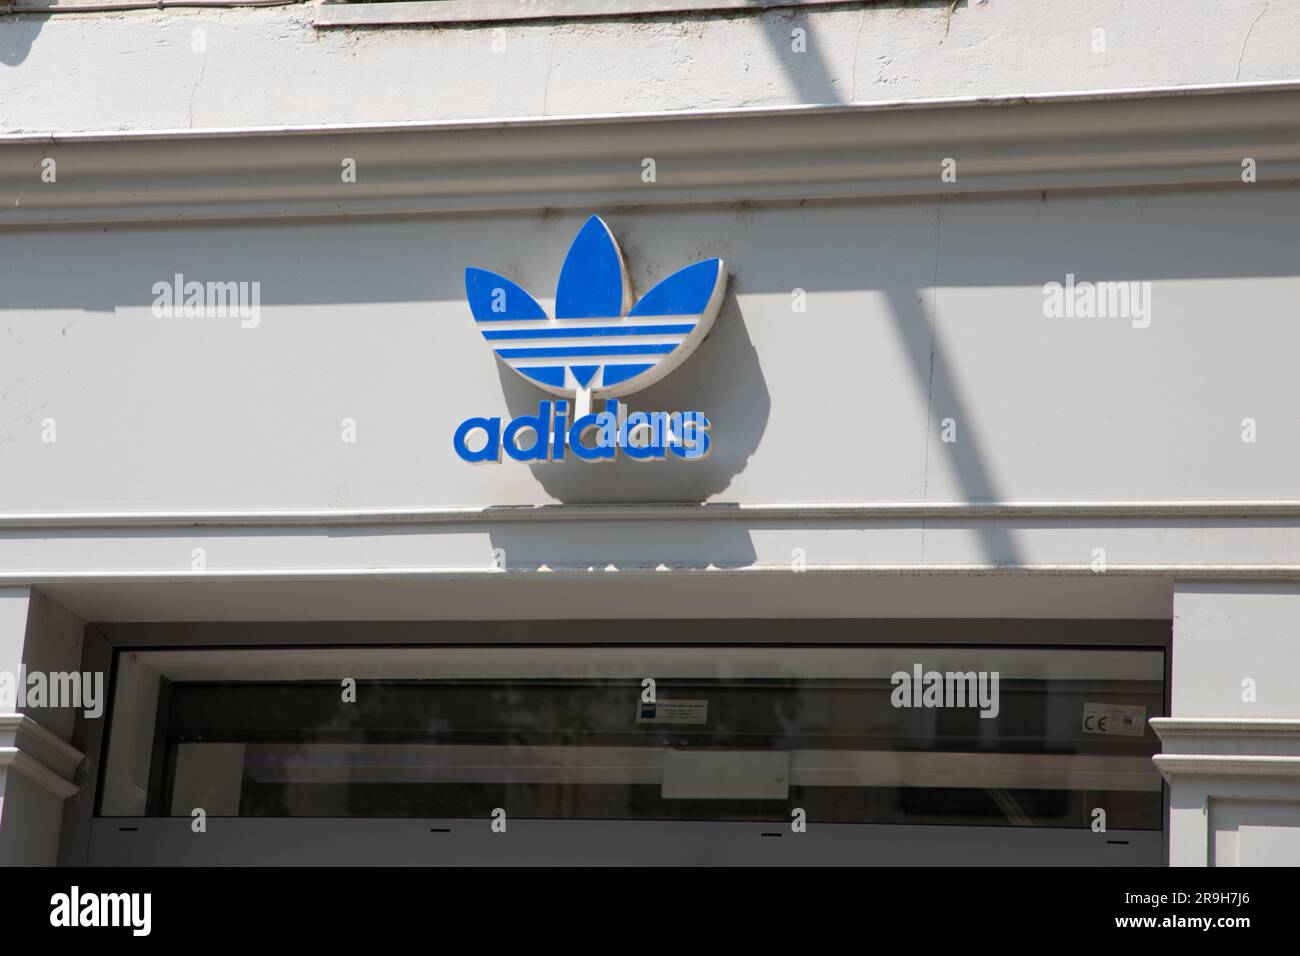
918 310
1225 635
272 67
841 403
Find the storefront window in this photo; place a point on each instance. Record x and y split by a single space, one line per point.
1038 737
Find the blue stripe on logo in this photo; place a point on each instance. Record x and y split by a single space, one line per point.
572 332
582 351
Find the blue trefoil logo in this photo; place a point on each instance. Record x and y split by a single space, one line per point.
600 344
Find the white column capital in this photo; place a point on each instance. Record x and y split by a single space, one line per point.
38 754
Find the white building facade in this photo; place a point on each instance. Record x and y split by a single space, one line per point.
998 388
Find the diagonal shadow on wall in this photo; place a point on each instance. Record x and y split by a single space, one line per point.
935 381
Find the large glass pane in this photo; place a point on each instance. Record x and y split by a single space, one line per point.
926 735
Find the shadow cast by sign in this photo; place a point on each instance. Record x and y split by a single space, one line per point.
723 380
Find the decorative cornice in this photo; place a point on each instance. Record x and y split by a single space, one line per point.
1228 746
1116 139
1182 572
38 754
1226 765
1170 728
709 511
1236 536
37 772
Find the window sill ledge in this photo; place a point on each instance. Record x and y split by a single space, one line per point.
334 14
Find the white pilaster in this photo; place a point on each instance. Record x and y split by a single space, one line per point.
1231 749
37 763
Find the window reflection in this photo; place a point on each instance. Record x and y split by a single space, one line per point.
789 733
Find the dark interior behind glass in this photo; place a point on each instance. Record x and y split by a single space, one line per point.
307 752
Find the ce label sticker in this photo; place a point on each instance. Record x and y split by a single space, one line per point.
1122 719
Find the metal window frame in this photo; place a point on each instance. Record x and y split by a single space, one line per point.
87 837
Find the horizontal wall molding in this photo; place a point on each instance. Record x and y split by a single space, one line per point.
410 12
1188 541
37 772
711 511
1228 746
1191 136
1226 765
1182 572
38 754
1262 728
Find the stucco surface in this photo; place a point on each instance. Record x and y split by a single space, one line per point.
198 68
